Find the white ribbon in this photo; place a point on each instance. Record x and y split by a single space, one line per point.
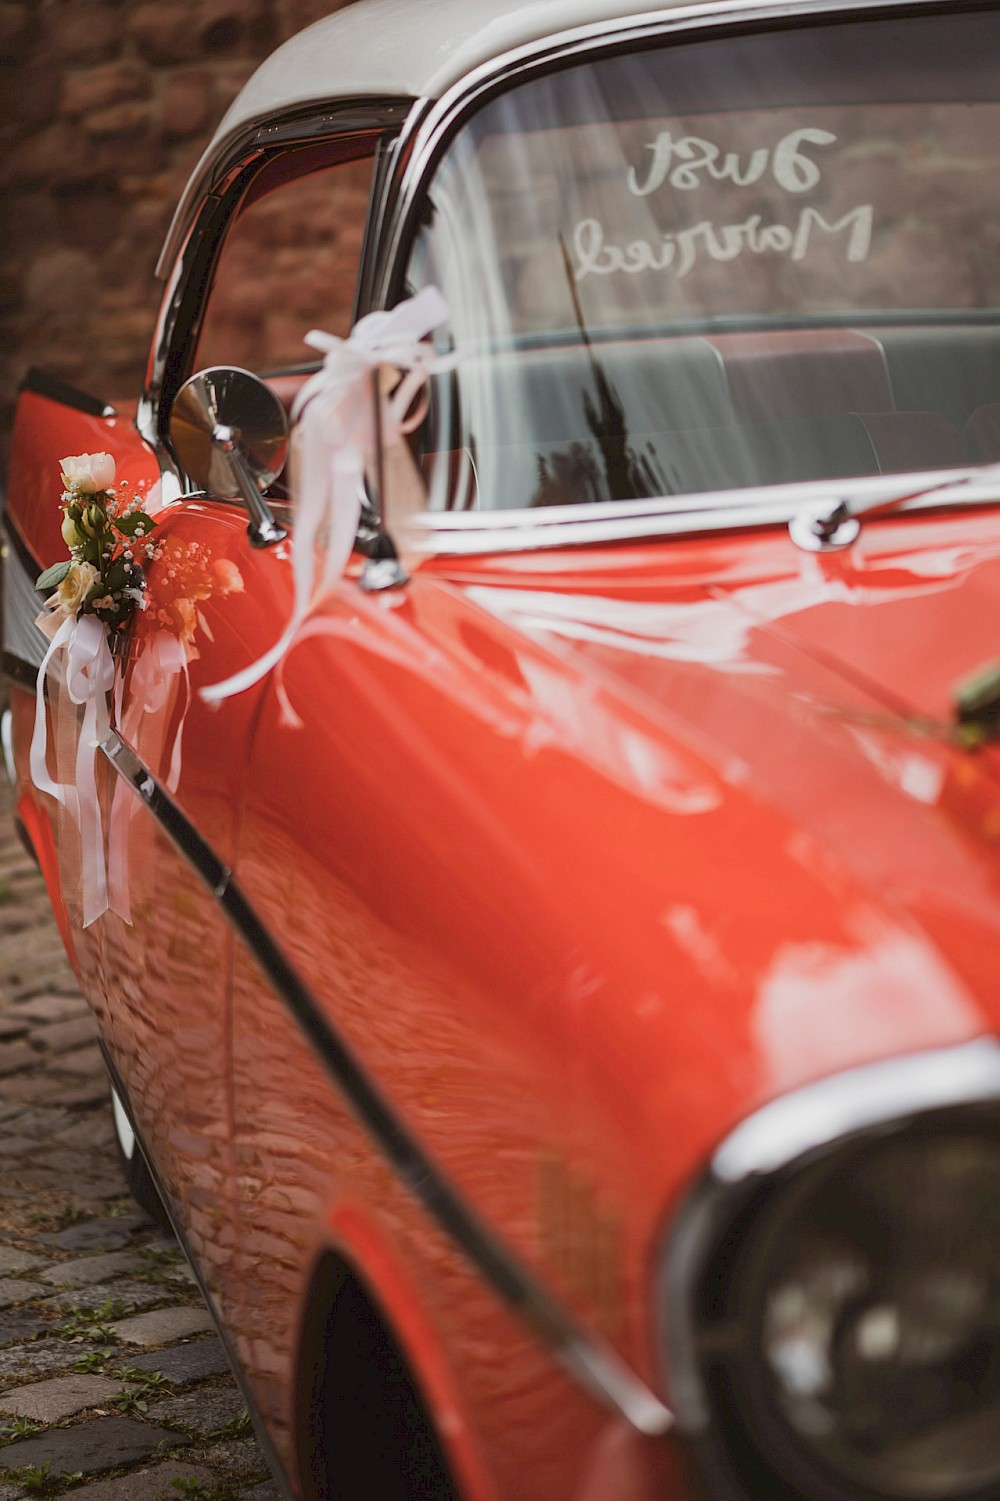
89 674
335 429
152 692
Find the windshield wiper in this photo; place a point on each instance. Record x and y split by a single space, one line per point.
830 525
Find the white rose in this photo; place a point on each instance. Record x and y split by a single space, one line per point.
76 586
86 472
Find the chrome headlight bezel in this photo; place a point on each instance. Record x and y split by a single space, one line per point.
783 1155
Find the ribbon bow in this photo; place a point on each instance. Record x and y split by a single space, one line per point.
334 417
88 676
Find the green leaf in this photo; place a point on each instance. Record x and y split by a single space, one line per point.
979 693
115 578
53 577
128 524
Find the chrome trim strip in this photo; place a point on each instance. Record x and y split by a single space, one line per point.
855 1101
589 1359
302 125
7 745
465 533
23 642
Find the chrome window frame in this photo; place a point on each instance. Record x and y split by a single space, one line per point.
213 207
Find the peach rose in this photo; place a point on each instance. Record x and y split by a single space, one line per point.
75 587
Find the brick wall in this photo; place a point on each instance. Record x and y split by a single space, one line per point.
105 105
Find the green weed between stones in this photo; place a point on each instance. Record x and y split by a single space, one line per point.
138 1378
191 1489
239 1427
128 1400
92 1364
38 1480
160 1266
91 1323
22 1428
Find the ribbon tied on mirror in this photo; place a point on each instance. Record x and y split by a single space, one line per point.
334 426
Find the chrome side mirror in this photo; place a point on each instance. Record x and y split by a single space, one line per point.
230 434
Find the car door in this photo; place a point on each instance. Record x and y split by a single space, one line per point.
167 954
216 599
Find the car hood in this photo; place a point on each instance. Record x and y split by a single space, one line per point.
820 687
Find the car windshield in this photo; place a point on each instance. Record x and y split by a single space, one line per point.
711 264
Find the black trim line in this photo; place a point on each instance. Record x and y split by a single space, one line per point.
18 671
50 386
270 1453
589 1359
25 556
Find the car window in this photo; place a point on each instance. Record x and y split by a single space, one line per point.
289 264
704 266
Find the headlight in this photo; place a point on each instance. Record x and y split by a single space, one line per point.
851 1334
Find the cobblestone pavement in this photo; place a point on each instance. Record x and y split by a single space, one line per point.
112 1384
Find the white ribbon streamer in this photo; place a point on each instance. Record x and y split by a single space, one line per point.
335 429
153 688
88 674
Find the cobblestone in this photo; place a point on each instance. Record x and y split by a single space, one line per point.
14 1290
155 1484
15 1056
133 1296
49 1008
186 1363
15 1327
264 1490
163 1324
202 1411
87 1270
13 1260
62 1397
74 1258
60 1037
88 1448
241 1455
38 1357
91 1235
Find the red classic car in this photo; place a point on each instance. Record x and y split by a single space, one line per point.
534 856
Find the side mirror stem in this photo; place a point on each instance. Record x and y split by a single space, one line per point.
383 570
263 530
229 433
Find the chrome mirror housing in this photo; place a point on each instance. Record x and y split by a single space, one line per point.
230 434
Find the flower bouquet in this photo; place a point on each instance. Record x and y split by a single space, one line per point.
97 589
106 531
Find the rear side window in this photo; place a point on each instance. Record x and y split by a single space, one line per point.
289 263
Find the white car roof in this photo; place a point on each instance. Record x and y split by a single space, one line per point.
405 49
408 48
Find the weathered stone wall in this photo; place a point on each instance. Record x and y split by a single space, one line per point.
106 106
